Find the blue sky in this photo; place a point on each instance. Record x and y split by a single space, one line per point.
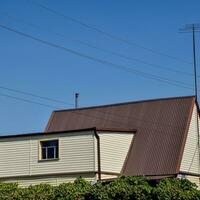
30 66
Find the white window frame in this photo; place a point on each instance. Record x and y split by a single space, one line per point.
40 149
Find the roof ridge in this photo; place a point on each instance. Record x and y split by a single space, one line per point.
123 103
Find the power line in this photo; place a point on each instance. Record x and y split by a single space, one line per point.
114 37
77 112
87 115
50 106
47 98
30 101
27 100
105 62
34 95
98 48
136 59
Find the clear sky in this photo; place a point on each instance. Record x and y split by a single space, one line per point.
147 51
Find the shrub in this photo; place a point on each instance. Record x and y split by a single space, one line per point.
39 192
123 188
10 191
72 191
174 189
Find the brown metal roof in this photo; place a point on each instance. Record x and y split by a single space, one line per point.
161 124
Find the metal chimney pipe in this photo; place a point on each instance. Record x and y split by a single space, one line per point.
76 100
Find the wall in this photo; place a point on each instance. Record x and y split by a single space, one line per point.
53 180
114 148
190 160
19 156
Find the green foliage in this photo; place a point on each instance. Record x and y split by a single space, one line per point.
176 189
129 188
39 192
9 191
72 191
123 188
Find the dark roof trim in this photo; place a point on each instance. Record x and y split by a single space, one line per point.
117 130
46 133
49 121
124 103
67 131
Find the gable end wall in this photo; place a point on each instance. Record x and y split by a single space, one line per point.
190 159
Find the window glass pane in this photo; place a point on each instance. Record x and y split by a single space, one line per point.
50 143
49 149
50 152
44 153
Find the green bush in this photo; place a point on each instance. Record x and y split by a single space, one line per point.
175 189
10 191
123 188
72 191
39 192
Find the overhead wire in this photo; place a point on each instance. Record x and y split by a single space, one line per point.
34 95
34 39
130 58
28 101
105 62
57 46
112 36
53 107
67 103
77 112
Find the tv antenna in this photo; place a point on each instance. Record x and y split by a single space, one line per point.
193 28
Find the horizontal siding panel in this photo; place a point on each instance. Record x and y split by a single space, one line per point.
75 153
14 157
114 148
190 160
20 156
55 180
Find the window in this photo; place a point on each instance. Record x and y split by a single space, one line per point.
49 149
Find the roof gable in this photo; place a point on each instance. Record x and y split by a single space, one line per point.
161 130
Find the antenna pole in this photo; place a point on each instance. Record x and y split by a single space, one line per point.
196 90
194 61
188 29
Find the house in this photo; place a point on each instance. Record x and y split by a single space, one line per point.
155 138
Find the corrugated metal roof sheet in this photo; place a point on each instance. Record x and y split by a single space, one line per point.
161 126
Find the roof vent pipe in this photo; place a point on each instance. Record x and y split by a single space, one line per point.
76 100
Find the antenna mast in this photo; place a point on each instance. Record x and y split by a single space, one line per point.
193 28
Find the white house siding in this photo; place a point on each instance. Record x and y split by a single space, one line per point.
190 160
194 179
114 147
107 176
55 180
75 152
14 157
19 156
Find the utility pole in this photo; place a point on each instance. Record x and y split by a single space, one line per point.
193 28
